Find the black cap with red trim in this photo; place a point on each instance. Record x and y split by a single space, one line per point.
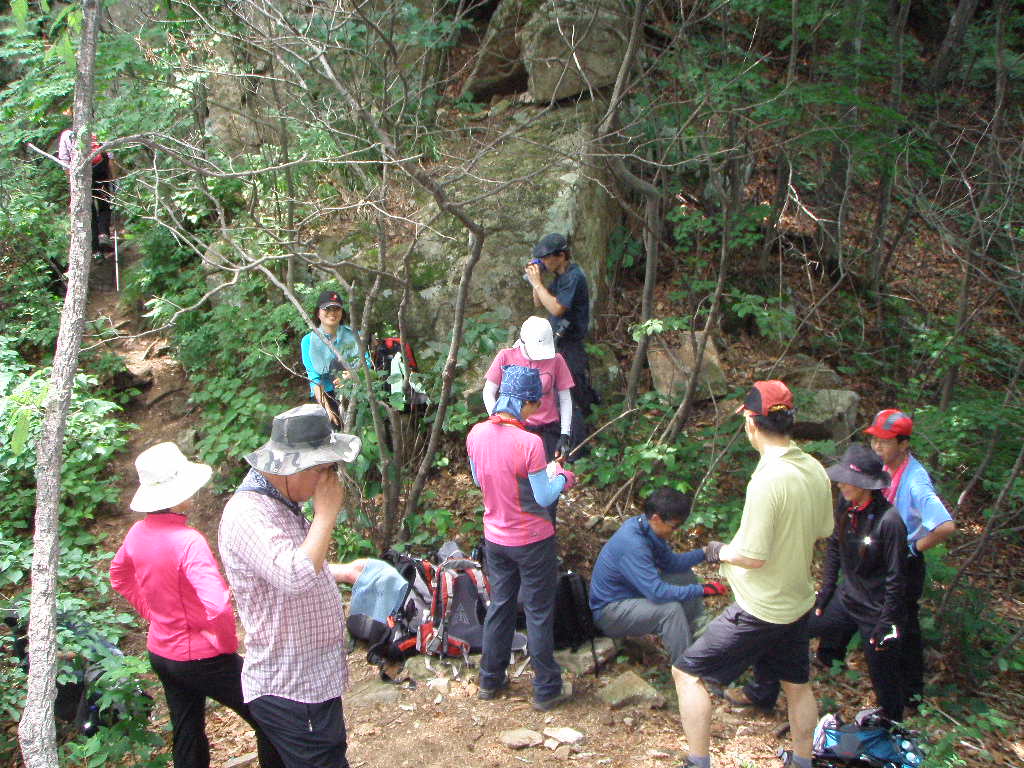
329 299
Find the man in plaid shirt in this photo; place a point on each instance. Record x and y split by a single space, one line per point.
295 668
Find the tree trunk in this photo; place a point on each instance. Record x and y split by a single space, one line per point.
980 238
899 9
950 47
653 220
36 731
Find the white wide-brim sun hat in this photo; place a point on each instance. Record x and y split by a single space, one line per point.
166 478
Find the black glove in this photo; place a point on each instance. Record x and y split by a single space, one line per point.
562 447
884 635
712 552
822 600
714 588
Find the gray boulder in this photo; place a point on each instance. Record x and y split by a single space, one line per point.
826 414
629 689
581 661
499 67
572 47
672 368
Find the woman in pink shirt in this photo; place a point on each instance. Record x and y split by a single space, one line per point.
166 570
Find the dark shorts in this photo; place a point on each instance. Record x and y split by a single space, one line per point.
736 640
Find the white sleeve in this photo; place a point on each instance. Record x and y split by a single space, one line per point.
490 394
565 410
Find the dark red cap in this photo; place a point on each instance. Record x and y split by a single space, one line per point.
767 397
891 423
329 299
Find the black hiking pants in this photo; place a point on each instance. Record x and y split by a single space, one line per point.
187 684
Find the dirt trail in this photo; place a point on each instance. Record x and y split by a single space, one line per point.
160 412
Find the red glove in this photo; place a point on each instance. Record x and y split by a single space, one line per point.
714 588
570 478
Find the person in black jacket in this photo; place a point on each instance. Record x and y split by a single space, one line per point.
869 548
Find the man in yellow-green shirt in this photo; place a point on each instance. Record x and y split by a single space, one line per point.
788 507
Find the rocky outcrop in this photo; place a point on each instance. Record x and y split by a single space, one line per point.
826 414
498 67
539 180
572 47
672 368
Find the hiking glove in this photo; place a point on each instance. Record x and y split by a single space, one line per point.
714 588
712 552
884 635
562 448
822 600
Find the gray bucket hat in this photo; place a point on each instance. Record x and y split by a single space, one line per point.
302 438
861 468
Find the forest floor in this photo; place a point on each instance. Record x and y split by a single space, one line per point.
439 721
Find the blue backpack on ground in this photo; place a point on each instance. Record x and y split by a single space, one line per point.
870 740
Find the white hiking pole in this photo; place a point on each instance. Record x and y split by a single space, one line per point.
117 276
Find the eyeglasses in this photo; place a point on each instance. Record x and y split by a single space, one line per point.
330 309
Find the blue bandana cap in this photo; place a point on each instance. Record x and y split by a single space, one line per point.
520 382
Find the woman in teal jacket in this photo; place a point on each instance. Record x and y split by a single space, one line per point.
323 369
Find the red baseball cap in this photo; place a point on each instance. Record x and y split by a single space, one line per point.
767 397
891 423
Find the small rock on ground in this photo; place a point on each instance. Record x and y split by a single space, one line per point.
520 738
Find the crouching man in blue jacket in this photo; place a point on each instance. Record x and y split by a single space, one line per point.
640 586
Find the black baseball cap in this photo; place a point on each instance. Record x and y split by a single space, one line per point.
329 299
550 244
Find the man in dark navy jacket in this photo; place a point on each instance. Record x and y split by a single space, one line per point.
567 301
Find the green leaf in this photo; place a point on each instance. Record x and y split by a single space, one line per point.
19 9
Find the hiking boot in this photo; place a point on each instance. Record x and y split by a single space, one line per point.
487 694
738 698
545 705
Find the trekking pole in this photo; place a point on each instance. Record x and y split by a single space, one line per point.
117 276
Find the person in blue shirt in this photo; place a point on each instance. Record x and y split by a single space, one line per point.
323 368
928 524
567 301
639 586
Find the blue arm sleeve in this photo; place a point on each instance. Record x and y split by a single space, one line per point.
472 471
640 569
546 489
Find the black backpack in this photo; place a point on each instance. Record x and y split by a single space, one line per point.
574 624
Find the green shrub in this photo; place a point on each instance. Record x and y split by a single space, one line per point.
94 435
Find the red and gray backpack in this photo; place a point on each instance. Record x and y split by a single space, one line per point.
461 594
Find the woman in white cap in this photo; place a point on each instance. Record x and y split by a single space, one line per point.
166 570
535 348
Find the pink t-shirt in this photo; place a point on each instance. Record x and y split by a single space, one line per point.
504 457
554 377
166 571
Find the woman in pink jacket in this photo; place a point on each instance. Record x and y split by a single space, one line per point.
166 570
